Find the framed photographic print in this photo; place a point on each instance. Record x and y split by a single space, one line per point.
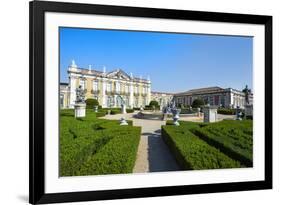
140 102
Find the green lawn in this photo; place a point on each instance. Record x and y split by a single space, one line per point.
93 146
225 144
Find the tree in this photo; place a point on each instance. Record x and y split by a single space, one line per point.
90 103
153 103
197 103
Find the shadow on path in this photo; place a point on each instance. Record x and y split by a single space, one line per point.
159 156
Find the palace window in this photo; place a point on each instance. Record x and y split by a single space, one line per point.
126 88
144 90
82 83
95 85
117 87
223 101
136 89
109 87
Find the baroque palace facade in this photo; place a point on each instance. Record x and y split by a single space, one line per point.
105 87
136 92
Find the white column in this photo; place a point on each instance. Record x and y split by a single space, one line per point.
231 98
72 91
148 93
131 99
103 95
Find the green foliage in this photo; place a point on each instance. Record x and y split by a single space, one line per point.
153 103
117 156
232 137
129 110
115 111
198 103
84 138
188 111
226 111
193 153
90 103
100 114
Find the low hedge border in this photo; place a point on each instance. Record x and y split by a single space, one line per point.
117 156
223 148
193 153
226 111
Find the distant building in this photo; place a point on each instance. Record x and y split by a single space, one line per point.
64 95
215 96
106 86
162 97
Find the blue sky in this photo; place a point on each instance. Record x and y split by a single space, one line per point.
174 62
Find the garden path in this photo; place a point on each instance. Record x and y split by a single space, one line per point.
153 154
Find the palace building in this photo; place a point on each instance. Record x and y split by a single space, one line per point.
106 87
163 98
215 96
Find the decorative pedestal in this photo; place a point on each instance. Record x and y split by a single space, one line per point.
198 112
80 110
238 114
123 121
248 111
210 114
164 116
176 116
123 109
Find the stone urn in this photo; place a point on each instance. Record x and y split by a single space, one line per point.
176 116
80 110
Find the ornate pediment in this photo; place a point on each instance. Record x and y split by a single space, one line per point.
118 74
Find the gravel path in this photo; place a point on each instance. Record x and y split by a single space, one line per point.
153 154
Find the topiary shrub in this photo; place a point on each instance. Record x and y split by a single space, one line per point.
198 103
90 103
153 103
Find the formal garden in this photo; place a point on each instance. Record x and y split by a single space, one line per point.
98 143
224 144
92 146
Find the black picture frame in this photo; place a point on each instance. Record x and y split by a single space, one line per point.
37 10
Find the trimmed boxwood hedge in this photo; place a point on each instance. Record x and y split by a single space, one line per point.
84 138
193 153
129 110
232 137
226 111
117 156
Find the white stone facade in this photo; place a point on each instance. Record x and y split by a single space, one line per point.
214 96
